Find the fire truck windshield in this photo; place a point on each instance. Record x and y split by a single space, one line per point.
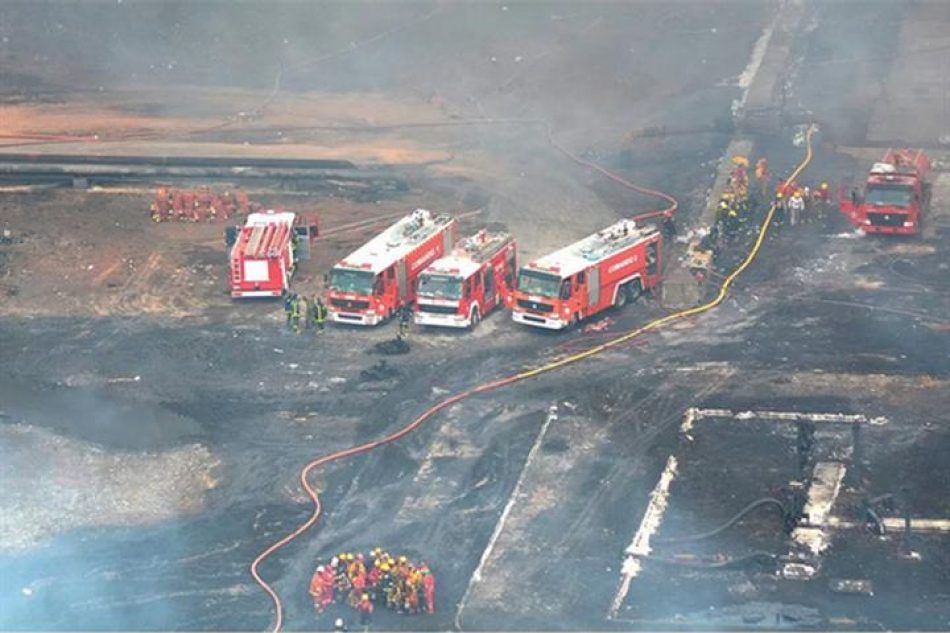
355 281
442 286
538 283
889 196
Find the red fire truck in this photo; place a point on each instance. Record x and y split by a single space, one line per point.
608 268
461 288
371 284
895 196
262 255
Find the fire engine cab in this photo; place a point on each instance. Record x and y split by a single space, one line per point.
608 268
461 288
895 195
378 279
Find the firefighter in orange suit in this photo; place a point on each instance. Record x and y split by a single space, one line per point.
366 610
317 588
762 176
822 200
428 584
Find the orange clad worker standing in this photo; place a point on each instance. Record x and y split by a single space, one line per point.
822 197
359 585
178 205
317 588
372 578
202 202
329 579
366 610
402 567
428 583
762 175
354 566
413 585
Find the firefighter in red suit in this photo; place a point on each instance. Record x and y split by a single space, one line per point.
366 610
318 588
428 584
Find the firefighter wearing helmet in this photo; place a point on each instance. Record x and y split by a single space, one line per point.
762 176
375 579
318 588
728 217
796 208
822 200
365 607
780 208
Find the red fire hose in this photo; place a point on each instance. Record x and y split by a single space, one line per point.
524 375
666 212
428 413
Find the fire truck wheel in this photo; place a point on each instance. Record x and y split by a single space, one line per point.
635 290
622 296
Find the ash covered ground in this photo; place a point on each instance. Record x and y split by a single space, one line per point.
152 430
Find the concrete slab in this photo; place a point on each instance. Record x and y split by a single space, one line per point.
822 494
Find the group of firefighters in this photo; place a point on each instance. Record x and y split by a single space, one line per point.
312 312
738 205
800 205
795 204
194 206
378 579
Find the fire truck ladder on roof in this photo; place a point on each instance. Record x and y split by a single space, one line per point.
236 265
254 240
416 229
611 239
898 161
482 245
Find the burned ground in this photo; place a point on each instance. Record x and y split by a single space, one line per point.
122 352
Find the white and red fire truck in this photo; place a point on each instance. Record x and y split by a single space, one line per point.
262 256
372 283
608 268
895 196
464 286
